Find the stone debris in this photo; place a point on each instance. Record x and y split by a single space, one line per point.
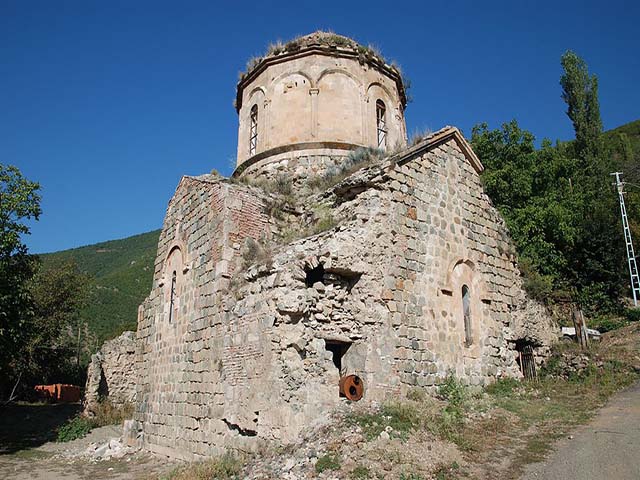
114 448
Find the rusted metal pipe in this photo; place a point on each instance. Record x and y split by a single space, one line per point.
352 387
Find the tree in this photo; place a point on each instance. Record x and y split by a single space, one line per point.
19 201
58 292
531 188
557 200
580 93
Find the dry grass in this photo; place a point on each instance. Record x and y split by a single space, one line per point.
224 467
511 423
357 159
526 418
107 414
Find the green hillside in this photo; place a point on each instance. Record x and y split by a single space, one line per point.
631 130
122 271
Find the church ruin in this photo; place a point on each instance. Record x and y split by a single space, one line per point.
337 263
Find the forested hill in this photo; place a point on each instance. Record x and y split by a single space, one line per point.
631 130
121 273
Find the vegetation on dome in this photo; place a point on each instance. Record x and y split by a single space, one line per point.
366 54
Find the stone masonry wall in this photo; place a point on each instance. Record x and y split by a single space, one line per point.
256 354
449 235
181 351
111 374
297 166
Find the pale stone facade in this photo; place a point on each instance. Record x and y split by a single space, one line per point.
415 280
317 99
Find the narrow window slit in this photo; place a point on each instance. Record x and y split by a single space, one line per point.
173 296
381 123
466 311
253 132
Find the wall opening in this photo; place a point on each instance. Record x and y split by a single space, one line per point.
338 349
526 359
314 275
466 312
172 300
381 123
253 132
339 278
103 386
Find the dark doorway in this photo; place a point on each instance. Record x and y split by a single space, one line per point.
526 359
338 349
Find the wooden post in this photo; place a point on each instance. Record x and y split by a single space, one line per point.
581 328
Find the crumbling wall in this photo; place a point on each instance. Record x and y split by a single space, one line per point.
257 353
298 167
186 358
111 373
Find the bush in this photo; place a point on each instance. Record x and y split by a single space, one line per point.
447 472
356 159
360 473
607 323
632 314
401 417
256 252
537 286
503 387
327 462
75 428
104 413
453 391
597 298
418 135
411 476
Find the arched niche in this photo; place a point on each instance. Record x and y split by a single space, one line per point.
340 100
172 285
467 298
290 110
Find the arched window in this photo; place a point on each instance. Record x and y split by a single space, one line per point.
253 132
466 311
381 123
172 301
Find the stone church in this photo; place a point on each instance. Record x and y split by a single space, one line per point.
337 264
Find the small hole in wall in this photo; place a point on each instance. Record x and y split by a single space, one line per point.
338 349
338 277
314 275
103 386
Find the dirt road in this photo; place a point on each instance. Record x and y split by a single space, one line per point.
608 447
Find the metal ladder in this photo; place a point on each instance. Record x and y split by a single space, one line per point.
633 266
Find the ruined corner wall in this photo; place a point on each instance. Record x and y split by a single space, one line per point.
450 236
111 374
183 322
257 354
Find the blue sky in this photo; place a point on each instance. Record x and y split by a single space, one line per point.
107 104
